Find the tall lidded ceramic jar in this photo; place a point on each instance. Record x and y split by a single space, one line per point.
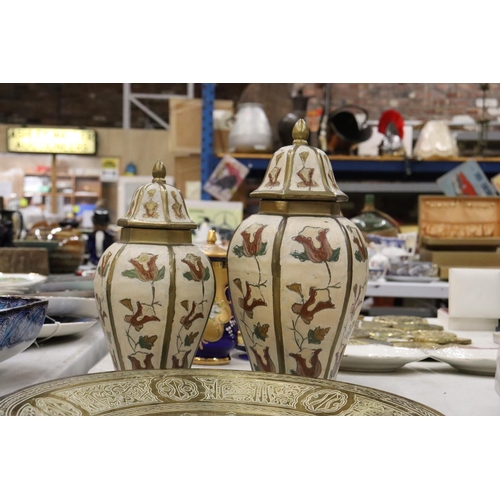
297 269
154 288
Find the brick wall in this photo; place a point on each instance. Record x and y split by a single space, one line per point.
415 101
101 104
89 104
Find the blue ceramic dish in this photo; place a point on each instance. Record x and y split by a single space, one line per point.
21 320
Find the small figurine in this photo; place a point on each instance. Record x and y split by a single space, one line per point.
101 238
130 169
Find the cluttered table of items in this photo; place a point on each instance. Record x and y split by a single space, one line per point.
433 383
456 380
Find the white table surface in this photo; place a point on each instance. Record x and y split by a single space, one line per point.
417 290
432 383
58 357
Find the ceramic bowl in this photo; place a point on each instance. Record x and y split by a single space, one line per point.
21 319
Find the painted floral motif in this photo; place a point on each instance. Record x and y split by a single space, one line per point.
305 173
359 294
318 250
253 247
249 302
193 315
143 315
274 173
361 254
308 363
180 360
263 360
177 206
140 317
151 206
318 300
104 264
197 271
188 337
145 270
332 178
102 313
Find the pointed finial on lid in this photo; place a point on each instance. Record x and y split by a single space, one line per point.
212 237
159 172
300 132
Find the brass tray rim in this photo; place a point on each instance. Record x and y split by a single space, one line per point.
67 382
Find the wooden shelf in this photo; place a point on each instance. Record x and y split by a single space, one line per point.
92 183
375 165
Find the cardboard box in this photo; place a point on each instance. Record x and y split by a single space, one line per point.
185 126
459 217
186 169
446 259
459 231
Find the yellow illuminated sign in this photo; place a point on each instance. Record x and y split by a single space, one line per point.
51 140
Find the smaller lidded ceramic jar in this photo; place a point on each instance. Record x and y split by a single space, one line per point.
154 288
221 332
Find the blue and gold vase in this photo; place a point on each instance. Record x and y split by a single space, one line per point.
221 331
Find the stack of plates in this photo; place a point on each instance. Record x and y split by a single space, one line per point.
12 283
68 315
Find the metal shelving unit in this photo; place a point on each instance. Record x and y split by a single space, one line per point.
136 98
371 169
208 160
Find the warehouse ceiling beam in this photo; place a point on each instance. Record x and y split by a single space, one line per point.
130 98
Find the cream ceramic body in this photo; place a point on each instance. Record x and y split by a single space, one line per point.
153 302
297 269
297 285
154 288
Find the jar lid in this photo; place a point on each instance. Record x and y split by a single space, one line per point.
299 172
157 205
211 249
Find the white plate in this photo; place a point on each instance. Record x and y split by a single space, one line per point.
77 307
468 359
410 279
13 281
72 306
78 286
378 358
61 329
